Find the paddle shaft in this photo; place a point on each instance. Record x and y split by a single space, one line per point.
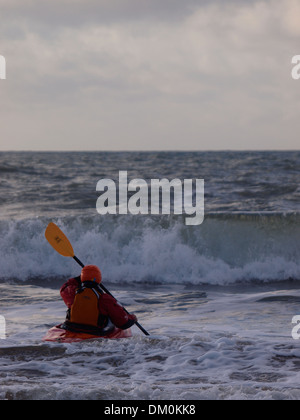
108 292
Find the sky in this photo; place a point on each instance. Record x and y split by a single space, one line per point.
149 75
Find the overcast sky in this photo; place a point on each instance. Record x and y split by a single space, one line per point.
149 74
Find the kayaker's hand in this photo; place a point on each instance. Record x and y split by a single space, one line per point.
133 317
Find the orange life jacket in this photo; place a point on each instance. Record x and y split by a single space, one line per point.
85 309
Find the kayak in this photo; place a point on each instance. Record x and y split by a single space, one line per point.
60 335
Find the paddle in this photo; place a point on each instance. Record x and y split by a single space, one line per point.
58 240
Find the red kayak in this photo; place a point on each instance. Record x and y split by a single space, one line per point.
59 335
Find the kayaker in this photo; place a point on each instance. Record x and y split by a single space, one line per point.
91 310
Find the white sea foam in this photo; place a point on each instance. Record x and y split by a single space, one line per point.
227 249
202 346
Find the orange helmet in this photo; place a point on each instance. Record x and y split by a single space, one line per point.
91 273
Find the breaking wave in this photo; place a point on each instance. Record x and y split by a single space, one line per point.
226 249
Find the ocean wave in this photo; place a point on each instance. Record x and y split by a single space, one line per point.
226 249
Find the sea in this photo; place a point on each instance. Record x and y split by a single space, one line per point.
218 299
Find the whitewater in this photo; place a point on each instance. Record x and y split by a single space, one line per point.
218 299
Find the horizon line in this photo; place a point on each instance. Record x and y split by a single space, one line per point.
147 151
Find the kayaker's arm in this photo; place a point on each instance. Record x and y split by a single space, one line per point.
111 308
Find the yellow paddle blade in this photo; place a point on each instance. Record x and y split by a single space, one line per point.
58 240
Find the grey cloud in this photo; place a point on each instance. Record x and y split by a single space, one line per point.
50 15
70 12
149 74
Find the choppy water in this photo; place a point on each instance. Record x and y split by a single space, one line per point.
218 298
58 184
